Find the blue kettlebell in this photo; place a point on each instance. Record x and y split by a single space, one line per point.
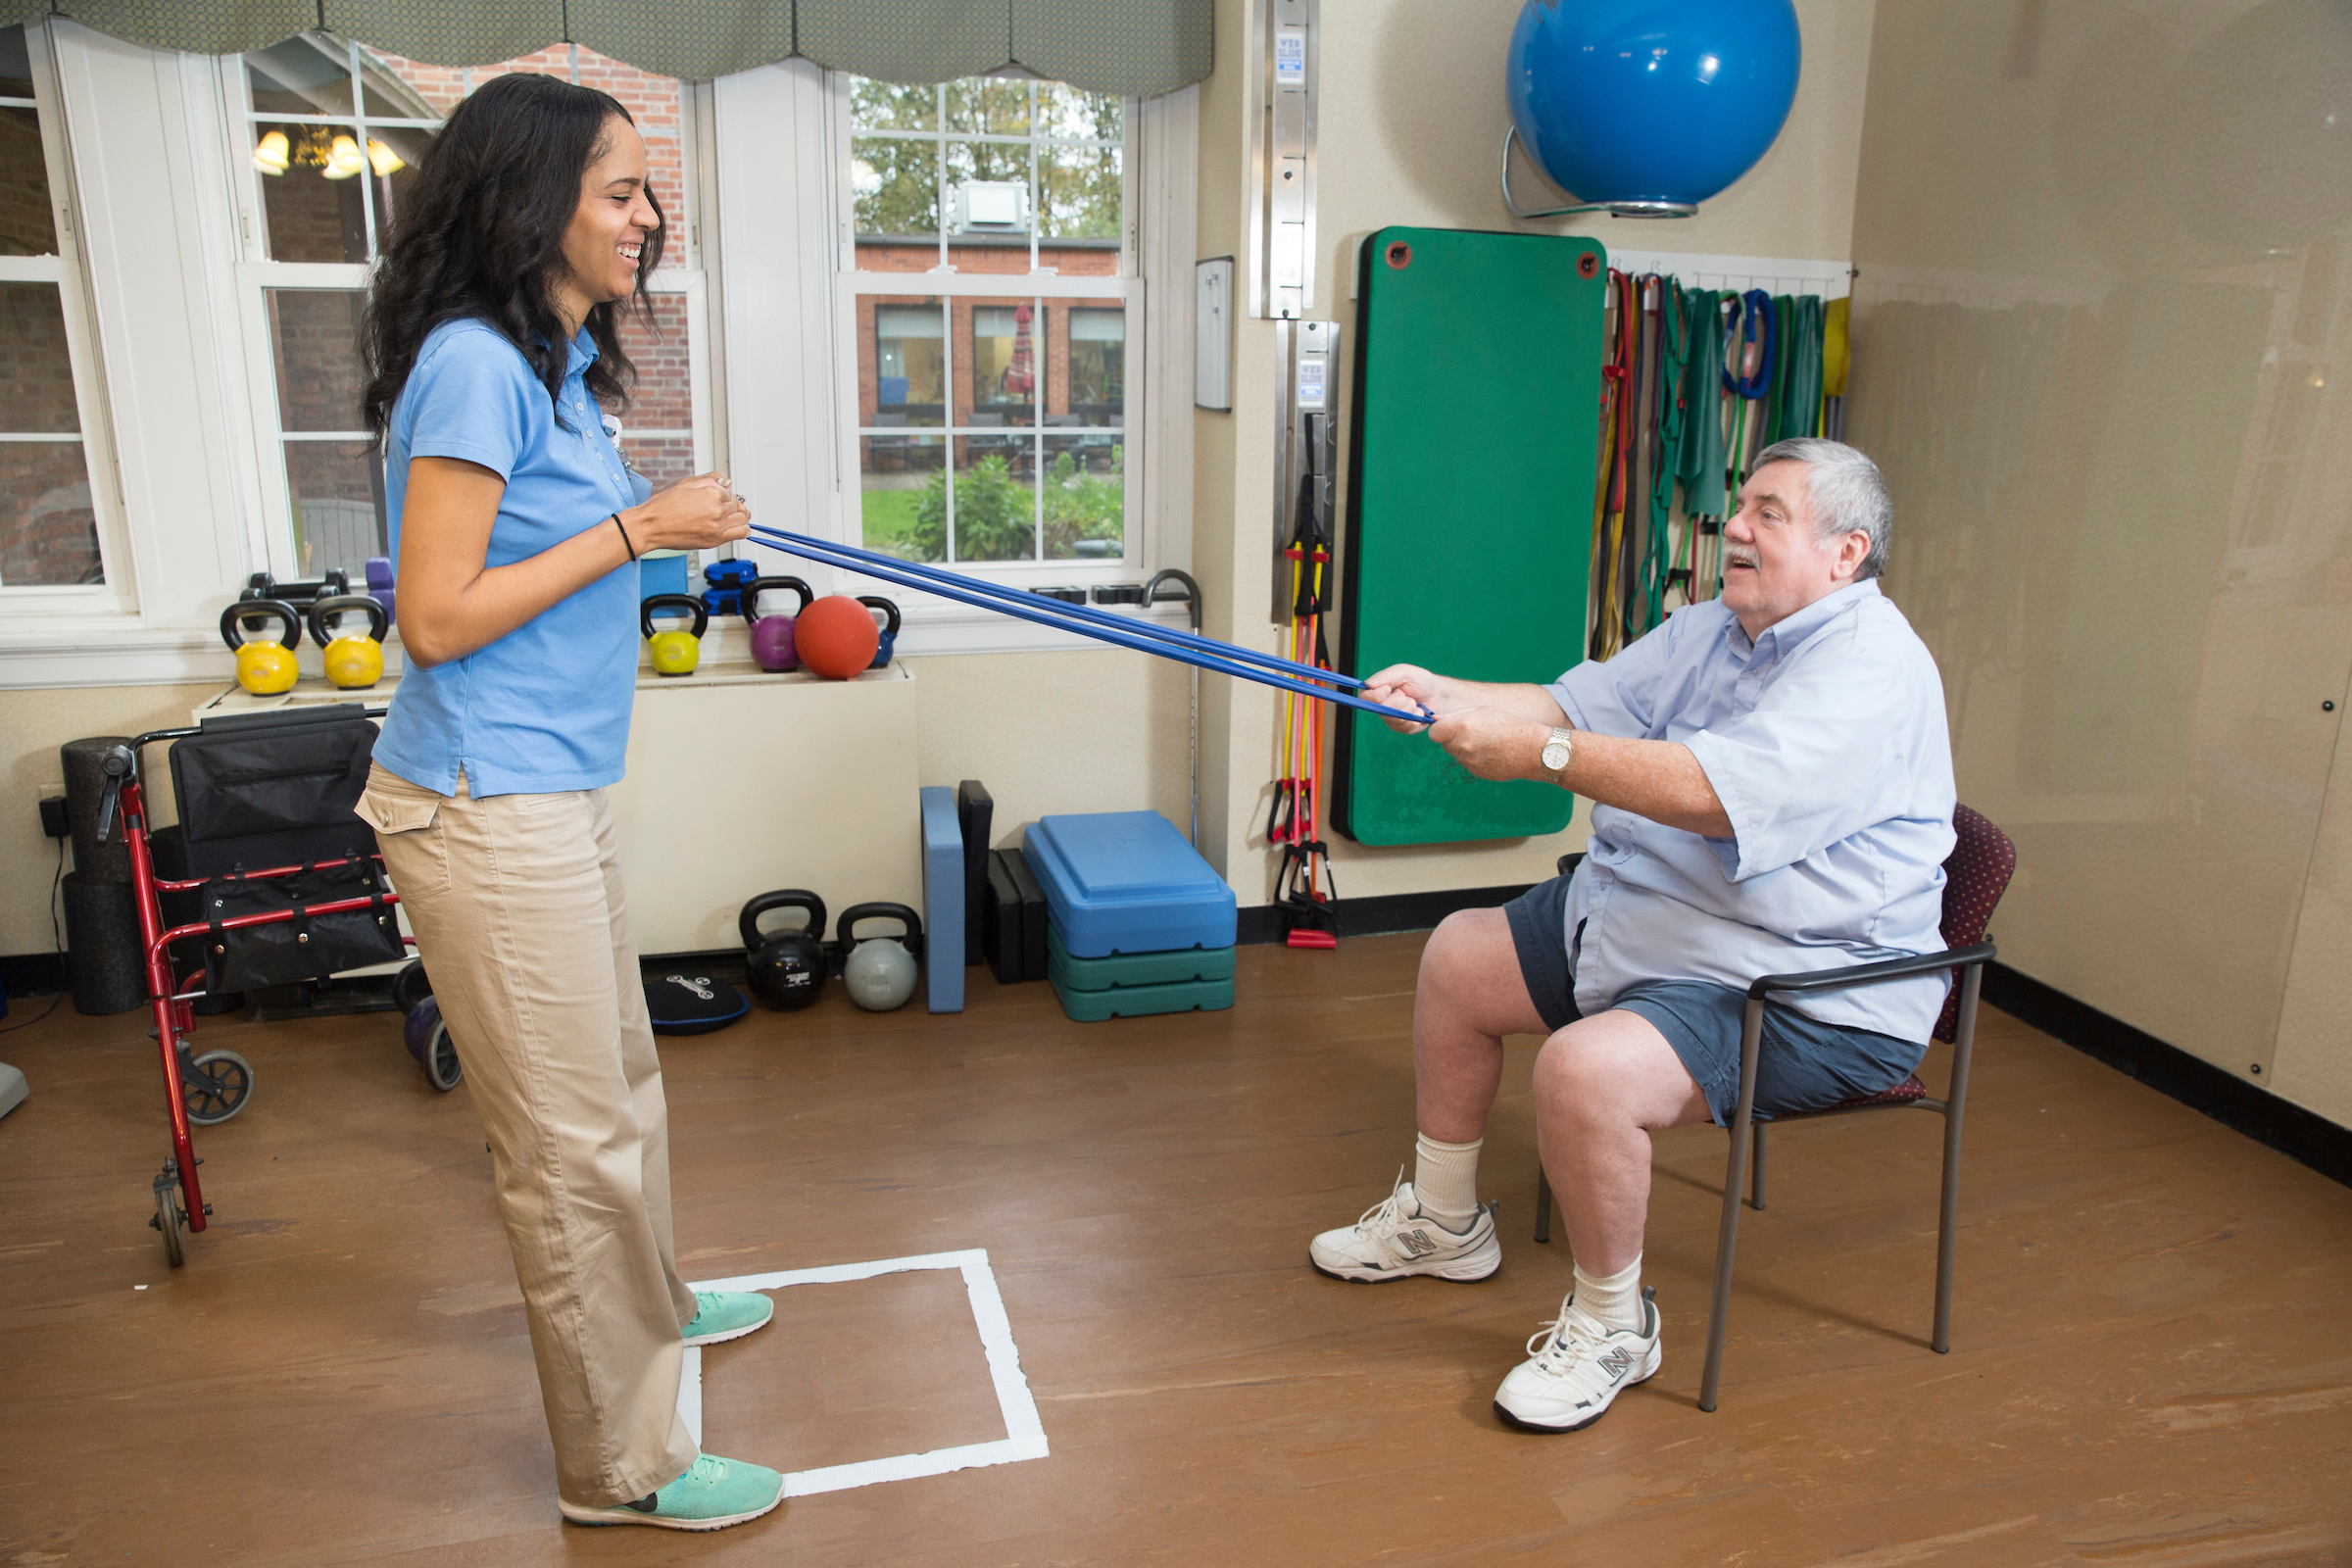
889 640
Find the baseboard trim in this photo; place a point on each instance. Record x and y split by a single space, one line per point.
2302 1135
1378 917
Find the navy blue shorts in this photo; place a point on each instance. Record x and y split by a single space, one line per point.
1803 1065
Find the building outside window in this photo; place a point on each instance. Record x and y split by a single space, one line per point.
49 517
989 293
331 132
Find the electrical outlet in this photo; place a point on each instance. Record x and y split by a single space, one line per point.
53 818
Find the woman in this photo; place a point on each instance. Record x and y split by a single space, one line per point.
492 346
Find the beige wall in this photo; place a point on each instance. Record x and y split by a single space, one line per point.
1411 124
2102 324
33 724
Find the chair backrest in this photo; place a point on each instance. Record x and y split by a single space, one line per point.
1975 877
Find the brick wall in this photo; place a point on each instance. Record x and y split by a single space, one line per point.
27 224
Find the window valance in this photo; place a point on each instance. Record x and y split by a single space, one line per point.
1131 48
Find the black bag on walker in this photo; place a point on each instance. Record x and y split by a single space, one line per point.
262 789
306 946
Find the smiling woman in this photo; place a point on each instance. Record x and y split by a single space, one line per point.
492 339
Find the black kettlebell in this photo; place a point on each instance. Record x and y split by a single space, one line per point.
786 968
889 637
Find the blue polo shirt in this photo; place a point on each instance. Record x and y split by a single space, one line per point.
545 708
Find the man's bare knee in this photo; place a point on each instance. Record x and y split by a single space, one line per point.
1610 1068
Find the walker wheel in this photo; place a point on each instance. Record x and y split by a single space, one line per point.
168 1216
216 1086
442 1069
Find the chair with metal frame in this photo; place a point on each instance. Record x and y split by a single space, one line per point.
1975 874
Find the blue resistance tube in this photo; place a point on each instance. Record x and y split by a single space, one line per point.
1203 653
1024 599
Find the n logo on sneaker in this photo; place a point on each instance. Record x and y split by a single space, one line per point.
1615 1361
1416 1243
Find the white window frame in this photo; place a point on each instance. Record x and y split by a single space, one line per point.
1042 288
789 286
64 268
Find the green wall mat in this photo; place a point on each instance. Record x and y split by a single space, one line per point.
1469 540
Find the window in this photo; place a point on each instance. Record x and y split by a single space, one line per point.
988 288
332 130
49 515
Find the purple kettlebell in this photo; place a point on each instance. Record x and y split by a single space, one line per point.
771 635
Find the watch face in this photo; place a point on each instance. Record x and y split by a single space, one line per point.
1556 757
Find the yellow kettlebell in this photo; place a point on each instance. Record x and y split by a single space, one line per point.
355 660
676 652
264 668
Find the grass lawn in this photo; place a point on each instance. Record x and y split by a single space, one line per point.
887 516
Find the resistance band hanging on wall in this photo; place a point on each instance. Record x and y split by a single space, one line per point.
1694 383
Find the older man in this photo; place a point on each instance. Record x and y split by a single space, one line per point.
1772 789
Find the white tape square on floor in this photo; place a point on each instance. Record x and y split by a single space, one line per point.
1025 1435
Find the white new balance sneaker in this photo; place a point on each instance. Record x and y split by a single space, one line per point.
1575 1367
1394 1240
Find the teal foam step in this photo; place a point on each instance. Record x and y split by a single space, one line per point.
1136 1002
1125 969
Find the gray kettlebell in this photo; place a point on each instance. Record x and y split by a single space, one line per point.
879 971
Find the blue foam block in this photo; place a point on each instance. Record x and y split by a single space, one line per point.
1121 882
943 896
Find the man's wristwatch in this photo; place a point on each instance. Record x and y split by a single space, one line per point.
1559 751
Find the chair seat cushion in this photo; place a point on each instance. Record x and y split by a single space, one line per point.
1902 1093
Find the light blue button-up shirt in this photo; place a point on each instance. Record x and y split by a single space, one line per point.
545 708
1825 739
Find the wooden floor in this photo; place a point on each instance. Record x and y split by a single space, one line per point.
2151 1365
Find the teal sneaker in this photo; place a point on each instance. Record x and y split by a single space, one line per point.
722 1315
712 1495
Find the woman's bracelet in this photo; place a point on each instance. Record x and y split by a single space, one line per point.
625 542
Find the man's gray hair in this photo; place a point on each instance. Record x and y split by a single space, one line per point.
1846 493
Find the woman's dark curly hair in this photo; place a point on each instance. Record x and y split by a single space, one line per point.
482 236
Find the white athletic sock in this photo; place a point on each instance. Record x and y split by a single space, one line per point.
1614 1299
1446 1181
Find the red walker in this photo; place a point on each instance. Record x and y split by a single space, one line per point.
199 1089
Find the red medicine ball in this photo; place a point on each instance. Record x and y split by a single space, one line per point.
836 636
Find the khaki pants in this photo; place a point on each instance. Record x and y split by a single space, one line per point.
520 916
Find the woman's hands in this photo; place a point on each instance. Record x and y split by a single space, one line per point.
697 514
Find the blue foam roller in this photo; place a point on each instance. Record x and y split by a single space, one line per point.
943 899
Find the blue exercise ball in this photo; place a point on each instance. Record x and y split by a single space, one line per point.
1651 101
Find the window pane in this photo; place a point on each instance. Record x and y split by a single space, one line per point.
902 507
1086 497
338 492
392 155
902 362
27 224
663 459
1090 351
664 397
311 201
1004 363
315 340
991 104
34 366
897 188
48 533
16 65
995 497
300 78
386 91
879 106
1064 110
1078 193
